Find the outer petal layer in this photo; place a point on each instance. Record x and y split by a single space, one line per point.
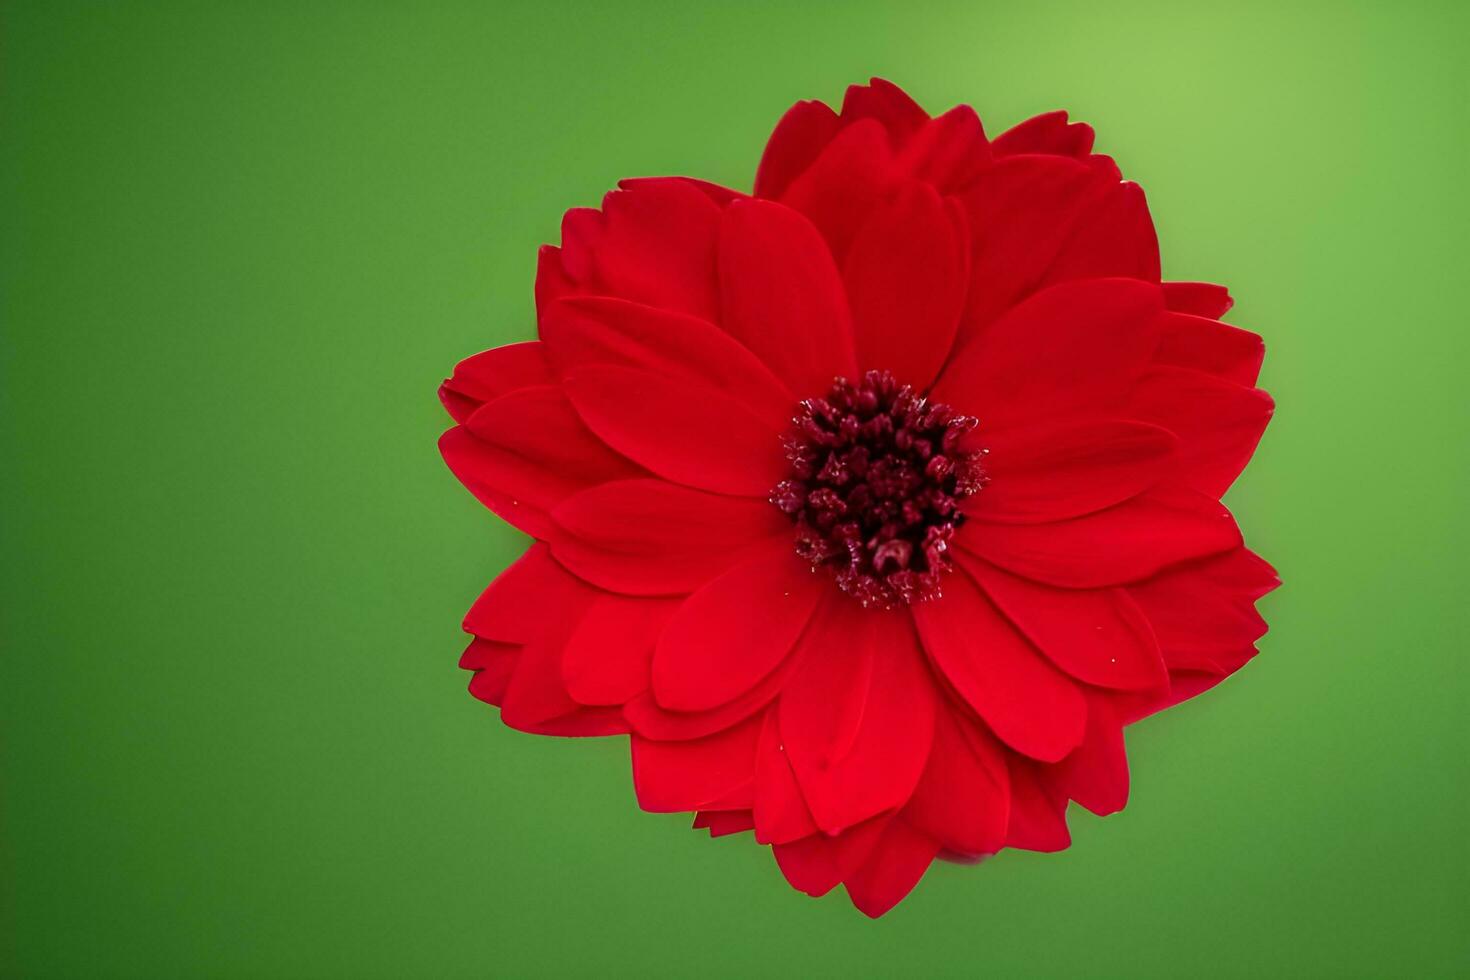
1126 543
650 537
782 296
964 798
1028 703
1066 468
714 648
1076 347
857 715
906 278
683 432
897 862
1098 636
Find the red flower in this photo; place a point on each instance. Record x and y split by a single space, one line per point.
873 505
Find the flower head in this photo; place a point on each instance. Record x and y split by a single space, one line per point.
873 505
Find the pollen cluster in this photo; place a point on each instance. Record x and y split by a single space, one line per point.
877 475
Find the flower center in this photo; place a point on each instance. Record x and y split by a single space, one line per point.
877 474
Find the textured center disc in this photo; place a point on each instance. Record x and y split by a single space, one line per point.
877 474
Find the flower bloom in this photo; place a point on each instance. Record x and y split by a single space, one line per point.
872 505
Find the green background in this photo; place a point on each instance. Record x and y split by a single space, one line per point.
243 243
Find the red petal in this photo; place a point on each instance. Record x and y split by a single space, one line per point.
658 246
1047 133
781 815
581 723
539 426
1022 211
718 193
516 489
739 798
1211 346
1065 468
722 823
1027 702
1113 237
1242 573
649 537
673 776
1198 298
1077 346
1096 775
688 433
857 714
536 700
948 152
880 99
1038 812
608 657
734 631
848 179
525 452
482 653
1098 636
526 600
1218 423
1204 614
825 705
799 137
652 720
656 517
894 867
819 863
906 277
783 297
486 376
1183 685
493 664
582 230
1126 543
599 330
552 280
963 798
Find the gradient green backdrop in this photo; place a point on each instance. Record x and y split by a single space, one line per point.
242 244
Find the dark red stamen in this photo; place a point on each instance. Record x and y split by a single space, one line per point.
877 476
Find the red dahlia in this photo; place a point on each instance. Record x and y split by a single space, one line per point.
872 505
